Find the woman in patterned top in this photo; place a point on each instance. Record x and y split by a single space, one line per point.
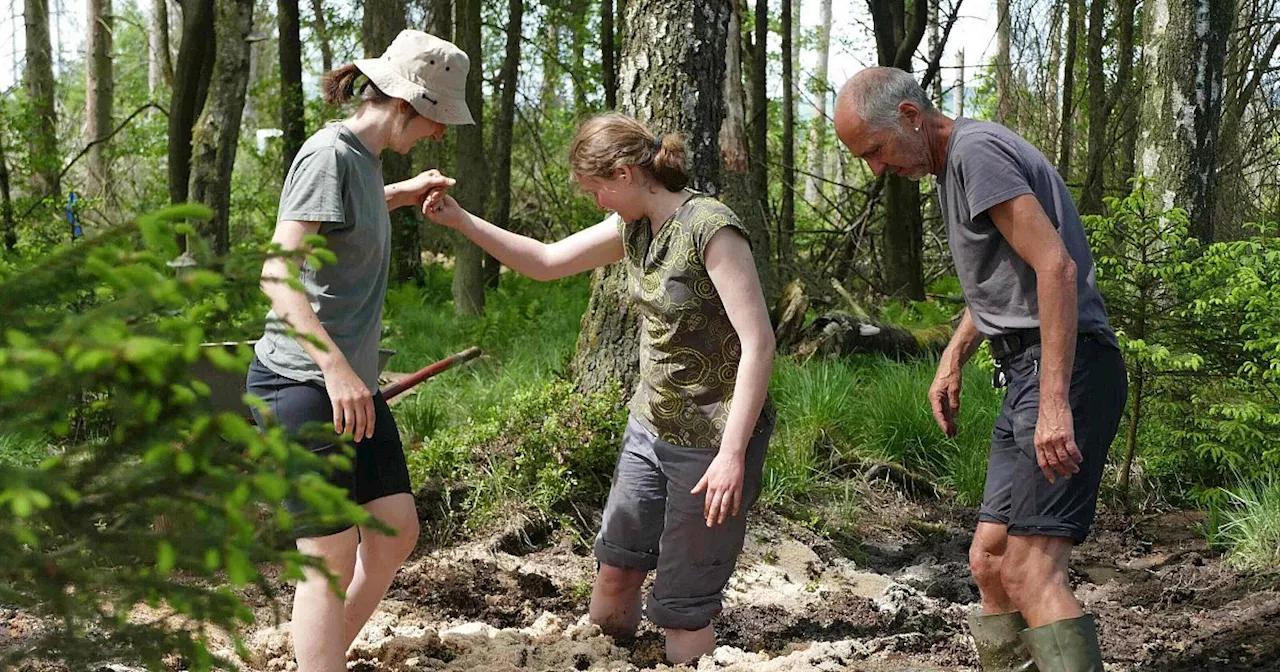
694 449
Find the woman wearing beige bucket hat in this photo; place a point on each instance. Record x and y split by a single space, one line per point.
317 362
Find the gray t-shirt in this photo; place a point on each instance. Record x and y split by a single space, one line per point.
988 164
336 181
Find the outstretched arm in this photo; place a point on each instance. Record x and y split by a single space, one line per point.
596 246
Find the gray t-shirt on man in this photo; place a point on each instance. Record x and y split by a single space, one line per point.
988 164
335 180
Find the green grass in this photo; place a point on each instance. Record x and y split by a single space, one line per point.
528 334
1250 527
843 412
23 449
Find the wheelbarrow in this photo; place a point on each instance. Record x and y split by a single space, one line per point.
227 388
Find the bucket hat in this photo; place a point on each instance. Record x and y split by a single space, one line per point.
427 72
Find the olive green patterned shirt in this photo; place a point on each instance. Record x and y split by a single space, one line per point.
689 351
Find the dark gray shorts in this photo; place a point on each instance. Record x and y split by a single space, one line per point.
1017 493
378 468
652 522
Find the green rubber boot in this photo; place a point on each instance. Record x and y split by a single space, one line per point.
1069 645
999 648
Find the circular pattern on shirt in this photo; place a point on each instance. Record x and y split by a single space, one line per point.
688 367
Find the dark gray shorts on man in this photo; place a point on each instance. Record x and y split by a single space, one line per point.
1017 493
302 408
651 521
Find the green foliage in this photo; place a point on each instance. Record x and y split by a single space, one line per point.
146 498
834 414
1251 524
542 451
1200 334
528 333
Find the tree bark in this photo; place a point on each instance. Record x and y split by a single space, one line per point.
898 31
383 20
322 35
736 166
671 78
509 79
216 134
8 228
1004 66
159 62
1066 131
99 94
551 71
608 65
960 83
1099 114
473 182
1127 94
292 109
1185 52
42 139
1053 90
787 218
187 101
1251 57
818 130
759 123
935 45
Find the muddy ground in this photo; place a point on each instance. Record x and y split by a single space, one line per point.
889 594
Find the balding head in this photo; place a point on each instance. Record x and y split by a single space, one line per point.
875 94
878 116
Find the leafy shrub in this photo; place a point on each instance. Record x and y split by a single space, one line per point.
541 452
150 498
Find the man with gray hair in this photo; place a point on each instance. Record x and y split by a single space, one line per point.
1028 279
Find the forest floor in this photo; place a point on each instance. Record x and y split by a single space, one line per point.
893 596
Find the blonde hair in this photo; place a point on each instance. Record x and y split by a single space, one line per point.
608 142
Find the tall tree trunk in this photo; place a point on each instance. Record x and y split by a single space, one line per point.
1053 92
935 46
473 182
217 133
322 35
1186 46
509 79
787 218
1004 66
1251 55
671 78
960 83
552 73
42 147
159 62
758 125
818 130
1127 93
8 228
190 86
1099 114
292 108
736 165
899 28
383 20
577 42
99 93
1066 132
608 65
